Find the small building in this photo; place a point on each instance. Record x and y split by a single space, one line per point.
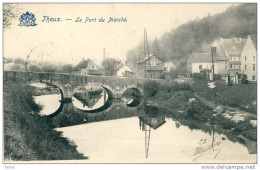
86 67
202 63
249 58
151 67
125 71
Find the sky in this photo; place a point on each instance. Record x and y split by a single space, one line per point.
69 41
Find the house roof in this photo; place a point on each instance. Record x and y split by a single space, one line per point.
205 57
147 58
254 40
233 46
126 68
82 64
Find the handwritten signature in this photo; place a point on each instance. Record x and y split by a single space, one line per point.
205 147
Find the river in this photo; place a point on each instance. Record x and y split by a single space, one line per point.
122 141
127 140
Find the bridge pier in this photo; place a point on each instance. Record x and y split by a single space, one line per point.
67 91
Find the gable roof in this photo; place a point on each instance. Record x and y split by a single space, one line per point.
254 40
205 57
233 46
152 55
82 64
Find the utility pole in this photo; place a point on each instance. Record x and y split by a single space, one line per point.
144 58
148 52
213 50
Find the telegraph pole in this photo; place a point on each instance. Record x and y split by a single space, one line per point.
213 50
148 52
144 57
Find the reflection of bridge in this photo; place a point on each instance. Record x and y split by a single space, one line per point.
68 84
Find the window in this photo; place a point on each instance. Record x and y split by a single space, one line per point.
245 67
245 58
253 77
253 67
200 67
254 58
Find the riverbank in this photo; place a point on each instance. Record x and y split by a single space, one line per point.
27 135
179 100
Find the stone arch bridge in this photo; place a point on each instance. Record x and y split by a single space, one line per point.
67 83
67 114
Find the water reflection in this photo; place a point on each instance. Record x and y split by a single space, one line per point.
146 123
90 99
127 132
132 97
48 97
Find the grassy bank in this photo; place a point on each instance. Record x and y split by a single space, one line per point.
28 136
178 100
242 96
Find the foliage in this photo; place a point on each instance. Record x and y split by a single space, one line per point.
198 111
9 13
217 76
173 73
27 135
110 66
244 79
66 68
198 77
150 88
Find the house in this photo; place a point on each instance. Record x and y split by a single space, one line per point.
150 67
249 58
169 66
125 71
202 63
231 49
86 67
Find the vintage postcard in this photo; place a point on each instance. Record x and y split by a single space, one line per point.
130 83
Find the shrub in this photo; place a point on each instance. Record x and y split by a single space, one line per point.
198 76
151 88
244 79
217 76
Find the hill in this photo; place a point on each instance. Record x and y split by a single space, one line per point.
197 35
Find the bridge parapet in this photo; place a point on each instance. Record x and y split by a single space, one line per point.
68 82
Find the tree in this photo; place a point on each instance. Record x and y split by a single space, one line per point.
66 68
110 66
9 13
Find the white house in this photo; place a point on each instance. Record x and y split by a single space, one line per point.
198 62
169 66
124 71
249 58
